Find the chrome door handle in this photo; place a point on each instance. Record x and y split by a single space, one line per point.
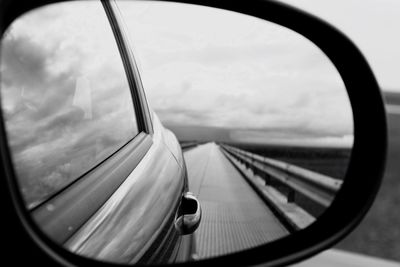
188 216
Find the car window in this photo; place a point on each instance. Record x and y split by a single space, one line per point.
65 97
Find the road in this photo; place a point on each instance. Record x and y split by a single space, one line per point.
234 217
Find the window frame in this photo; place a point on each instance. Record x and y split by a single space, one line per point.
132 71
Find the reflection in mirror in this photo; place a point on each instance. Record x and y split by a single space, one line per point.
260 113
60 116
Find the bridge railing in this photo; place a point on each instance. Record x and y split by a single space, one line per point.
188 145
311 191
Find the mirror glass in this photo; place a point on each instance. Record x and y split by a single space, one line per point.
261 116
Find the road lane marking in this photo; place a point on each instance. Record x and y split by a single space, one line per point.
393 109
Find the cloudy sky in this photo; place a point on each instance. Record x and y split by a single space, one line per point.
373 25
203 66
67 105
65 96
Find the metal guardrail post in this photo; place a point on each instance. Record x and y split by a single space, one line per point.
267 178
291 196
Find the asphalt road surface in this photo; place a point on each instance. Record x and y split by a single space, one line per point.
234 217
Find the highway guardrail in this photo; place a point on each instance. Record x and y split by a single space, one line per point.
188 145
311 191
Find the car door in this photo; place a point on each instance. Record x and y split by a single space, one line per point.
95 173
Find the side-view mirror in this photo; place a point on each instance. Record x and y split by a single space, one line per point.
189 132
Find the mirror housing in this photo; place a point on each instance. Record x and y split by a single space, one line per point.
346 211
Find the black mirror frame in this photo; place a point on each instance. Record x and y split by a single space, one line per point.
25 244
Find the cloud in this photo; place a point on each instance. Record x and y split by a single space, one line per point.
25 61
231 98
239 73
51 140
293 137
